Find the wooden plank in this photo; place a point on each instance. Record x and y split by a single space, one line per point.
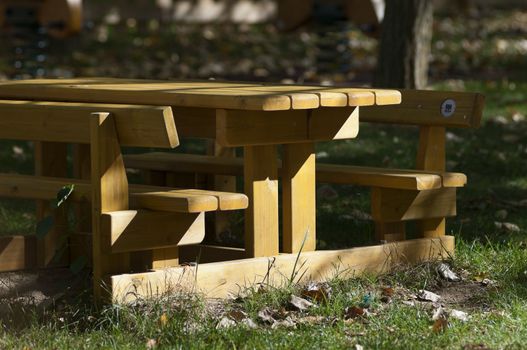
51 160
226 200
109 193
331 173
174 201
396 205
183 162
261 186
298 198
204 253
141 126
201 94
227 279
377 177
241 128
333 124
195 122
136 230
431 155
17 253
420 107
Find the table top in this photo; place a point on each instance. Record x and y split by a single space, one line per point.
192 93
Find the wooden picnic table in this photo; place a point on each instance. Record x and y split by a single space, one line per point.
258 117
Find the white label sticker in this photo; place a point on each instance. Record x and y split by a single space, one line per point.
448 107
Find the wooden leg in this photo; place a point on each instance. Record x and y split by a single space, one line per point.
298 197
261 186
431 156
432 228
390 231
81 170
224 183
51 160
165 257
109 193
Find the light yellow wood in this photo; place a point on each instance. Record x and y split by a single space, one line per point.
227 279
298 198
200 94
420 107
396 205
226 200
141 126
240 128
330 173
222 222
17 253
50 160
109 193
261 186
333 124
431 155
165 257
174 201
203 253
135 230
431 152
42 187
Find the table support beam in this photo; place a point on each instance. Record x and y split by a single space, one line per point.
298 197
261 186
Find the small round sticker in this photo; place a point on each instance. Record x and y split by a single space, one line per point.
448 107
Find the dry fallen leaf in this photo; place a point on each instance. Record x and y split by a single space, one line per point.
440 325
458 315
353 312
425 295
300 304
163 320
507 226
266 316
317 291
225 322
151 344
445 272
237 315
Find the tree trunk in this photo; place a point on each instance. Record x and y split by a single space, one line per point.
405 44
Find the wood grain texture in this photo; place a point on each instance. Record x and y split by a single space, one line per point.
136 230
17 253
141 126
227 279
298 198
333 124
420 107
261 186
51 160
109 193
200 94
396 205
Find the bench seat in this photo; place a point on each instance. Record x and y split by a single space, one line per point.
141 196
330 173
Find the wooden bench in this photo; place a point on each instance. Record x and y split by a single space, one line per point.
134 227
426 194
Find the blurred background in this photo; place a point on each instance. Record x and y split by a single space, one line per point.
292 41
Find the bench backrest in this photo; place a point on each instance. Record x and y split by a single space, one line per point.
138 126
430 108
